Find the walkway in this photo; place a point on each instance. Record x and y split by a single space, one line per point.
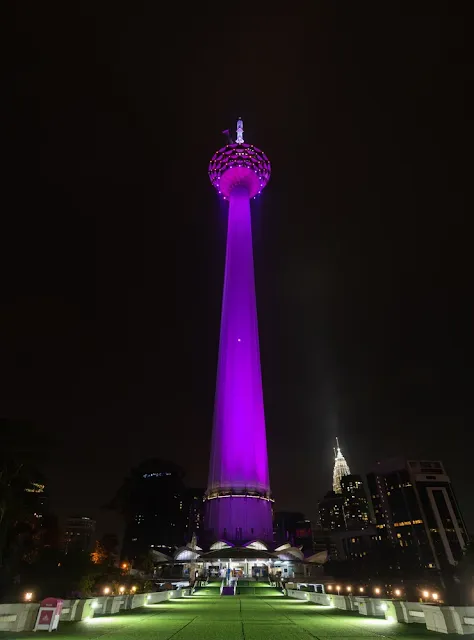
251 617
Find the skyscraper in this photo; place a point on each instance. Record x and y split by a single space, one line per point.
341 468
416 511
238 502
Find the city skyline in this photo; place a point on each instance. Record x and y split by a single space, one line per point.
114 243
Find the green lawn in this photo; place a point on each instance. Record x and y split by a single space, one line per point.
210 617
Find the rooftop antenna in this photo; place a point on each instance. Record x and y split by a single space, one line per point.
240 131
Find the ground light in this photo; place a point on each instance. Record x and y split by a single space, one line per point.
95 604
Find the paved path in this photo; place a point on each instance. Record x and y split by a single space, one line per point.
234 618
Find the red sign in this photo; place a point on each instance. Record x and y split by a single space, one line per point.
46 616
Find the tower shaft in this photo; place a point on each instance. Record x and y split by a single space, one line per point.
238 505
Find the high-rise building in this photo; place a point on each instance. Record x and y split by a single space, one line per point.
355 501
416 511
304 536
155 506
341 468
331 512
285 524
194 506
238 500
79 534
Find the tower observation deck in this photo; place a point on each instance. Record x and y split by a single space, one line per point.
238 501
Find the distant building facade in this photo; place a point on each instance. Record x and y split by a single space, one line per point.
285 524
79 534
155 509
193 500
355 502
417 513
331 512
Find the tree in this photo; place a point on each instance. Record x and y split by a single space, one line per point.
20 447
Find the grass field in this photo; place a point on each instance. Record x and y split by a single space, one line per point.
207 616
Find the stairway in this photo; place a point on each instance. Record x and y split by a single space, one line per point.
253 588
212 589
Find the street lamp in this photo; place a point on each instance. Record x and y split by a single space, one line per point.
28 596
338 588
377 591
122 589
106 591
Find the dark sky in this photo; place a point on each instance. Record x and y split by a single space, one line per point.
113 239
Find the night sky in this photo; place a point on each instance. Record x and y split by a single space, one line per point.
113 239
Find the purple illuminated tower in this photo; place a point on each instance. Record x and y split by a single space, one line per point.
238 503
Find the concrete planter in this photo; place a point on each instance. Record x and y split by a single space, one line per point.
157 596
372 607
19 616
343 602
68 612
320 598
137 600
296 593
444 619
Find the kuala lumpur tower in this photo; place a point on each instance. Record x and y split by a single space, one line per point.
238 502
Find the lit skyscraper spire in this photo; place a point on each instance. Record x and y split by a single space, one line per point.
341 468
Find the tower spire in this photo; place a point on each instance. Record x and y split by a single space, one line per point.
341 468
240 131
